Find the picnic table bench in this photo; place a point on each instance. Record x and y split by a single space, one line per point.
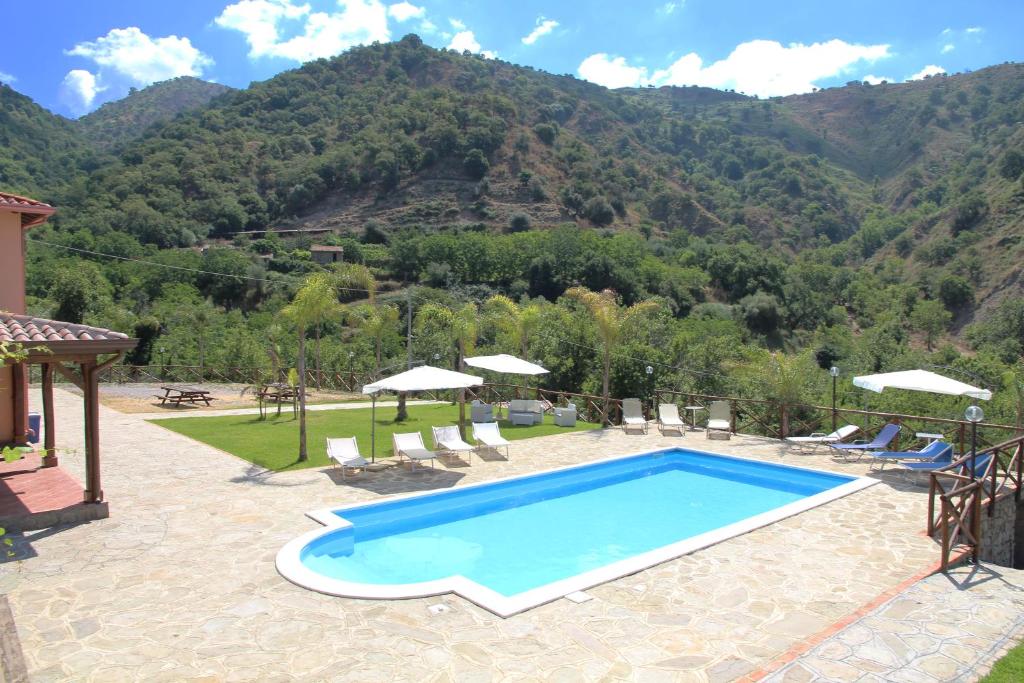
177 395
277 392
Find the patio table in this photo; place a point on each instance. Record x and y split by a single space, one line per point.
176 395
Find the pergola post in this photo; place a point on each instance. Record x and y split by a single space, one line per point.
49 427
91 394
19 386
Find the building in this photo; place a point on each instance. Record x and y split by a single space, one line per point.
325 255
79 353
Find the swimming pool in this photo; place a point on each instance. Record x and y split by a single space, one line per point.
512 544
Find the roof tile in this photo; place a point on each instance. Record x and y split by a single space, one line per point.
26 328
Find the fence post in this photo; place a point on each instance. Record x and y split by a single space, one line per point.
976 522
962 436
931 503
732 416
783 422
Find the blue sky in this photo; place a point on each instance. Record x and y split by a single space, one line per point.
79 55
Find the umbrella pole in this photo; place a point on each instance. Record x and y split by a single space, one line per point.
373 428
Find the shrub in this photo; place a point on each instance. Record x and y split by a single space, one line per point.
546 132
476 164
520 222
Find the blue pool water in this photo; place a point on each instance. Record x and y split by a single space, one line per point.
523 533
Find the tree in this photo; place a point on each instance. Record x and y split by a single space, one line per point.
1012 165
520 222
459 328
476 164
376 322
930 317
306 309
955 291
76 290
761 312
609 319
598 211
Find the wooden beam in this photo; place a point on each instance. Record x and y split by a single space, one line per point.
19 387
70 374
93 489
49 428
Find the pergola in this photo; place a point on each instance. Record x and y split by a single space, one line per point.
79 353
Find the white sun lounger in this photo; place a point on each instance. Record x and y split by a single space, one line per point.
719 418
411 446
820 438
345 454
449 440
633 415
487 434
668 418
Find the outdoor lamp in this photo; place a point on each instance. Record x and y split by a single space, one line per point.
834 371
974 414
437 356
650 370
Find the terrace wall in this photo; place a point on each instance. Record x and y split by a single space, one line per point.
1003 533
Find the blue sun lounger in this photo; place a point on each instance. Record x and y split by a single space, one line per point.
933 452
879 443
980 465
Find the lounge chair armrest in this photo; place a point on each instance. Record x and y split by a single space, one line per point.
818 434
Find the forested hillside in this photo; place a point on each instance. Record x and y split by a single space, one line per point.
873 226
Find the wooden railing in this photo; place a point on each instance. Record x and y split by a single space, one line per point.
326 379
768 418
956 500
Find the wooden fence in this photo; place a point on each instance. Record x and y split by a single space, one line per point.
956 500
767 418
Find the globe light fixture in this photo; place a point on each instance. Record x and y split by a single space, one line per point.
834 371
650 370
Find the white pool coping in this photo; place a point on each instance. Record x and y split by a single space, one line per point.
290 565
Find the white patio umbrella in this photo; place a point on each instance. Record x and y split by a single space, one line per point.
920 380
507 365
423 378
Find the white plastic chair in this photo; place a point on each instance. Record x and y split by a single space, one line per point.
487 434
344 453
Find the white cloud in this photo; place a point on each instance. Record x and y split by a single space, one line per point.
948 47
78 90
427 26
457 24
875 80
142 59
611 72
7 78
465 40
544 27
670 7
404 11
321 34
974 29
946 31
758 67
930 70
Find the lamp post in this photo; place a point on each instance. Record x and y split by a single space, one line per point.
834 371
974 415
650 381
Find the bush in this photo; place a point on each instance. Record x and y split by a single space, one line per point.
761 312
598 211
476 164
546 132
969 210
1012 165
520 222
955 291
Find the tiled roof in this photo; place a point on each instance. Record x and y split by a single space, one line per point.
25 328
32 212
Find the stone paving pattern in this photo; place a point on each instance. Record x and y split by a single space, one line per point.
179 583
950 627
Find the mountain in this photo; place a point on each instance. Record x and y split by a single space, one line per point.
124 119
400 136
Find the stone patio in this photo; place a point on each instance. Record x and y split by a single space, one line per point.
179 583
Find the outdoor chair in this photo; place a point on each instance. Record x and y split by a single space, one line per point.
449 440
633 415
524 412
821 439
481 412
411 446
719 419
565 416
879 443
668 419
344 453
980 465
487 434
936 451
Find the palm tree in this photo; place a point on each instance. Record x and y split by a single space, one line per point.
459 327
309 307
376 321
610 319
518 322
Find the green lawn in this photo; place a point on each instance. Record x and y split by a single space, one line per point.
1009 669
274 443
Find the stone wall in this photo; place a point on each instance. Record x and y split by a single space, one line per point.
1002 534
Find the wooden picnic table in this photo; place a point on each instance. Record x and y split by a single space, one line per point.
277 392
176 395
